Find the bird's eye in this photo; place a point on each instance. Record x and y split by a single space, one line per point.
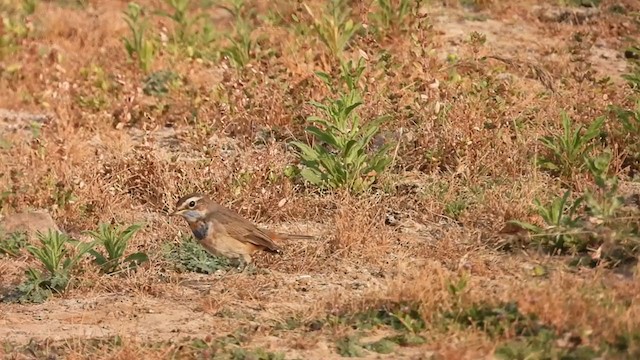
192 204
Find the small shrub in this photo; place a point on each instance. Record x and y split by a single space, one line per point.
496 320
604 202
15 26
566 152
562 225
138 46
402 317
192 32
158 83
57 262
335 28
115 242
628 131
239 52
341 158
633 76
391 16
543 346
12 244
597 219
350 346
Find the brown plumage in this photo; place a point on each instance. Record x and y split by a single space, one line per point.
224 232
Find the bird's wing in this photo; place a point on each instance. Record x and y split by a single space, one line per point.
243 230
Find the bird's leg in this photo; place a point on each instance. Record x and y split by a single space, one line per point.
247 264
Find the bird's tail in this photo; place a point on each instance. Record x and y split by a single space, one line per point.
283 236
297 237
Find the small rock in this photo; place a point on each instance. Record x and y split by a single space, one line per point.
29 222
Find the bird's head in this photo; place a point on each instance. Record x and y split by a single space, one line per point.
192 207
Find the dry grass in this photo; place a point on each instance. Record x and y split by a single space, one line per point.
468 133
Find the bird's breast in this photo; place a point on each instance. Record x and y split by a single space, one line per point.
200 229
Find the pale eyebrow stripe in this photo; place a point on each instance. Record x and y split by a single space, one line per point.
193 198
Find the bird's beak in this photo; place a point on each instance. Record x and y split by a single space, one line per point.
174 213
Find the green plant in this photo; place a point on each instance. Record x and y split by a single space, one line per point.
543 345
158 83
138 46
633 77
566 152
181 17
11 244
191 30
350 346
605 201
115 242
15 26
191 256
29 6
496 320
62 195
57 262
335 29
391 15
562 225
342 157
239 52
629 132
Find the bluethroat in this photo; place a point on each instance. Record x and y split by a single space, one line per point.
223 232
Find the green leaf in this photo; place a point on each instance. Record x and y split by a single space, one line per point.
311 176
323 136
525 225
138 258
98 257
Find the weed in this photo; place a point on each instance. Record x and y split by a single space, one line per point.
57 262
96 98
406 339
496 320
562 225
604 202
138 46
181 18
633 77
239 52
187 31
115 242
391 16
400 316
334 28
349 346
599 223
543 345
11 244
382 346
15 26
567 151
455 208
255 354
235 7
219 349
158 83
629 132
627 343
341 159
29 6
191 256
63 195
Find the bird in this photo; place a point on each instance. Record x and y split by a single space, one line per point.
223 232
